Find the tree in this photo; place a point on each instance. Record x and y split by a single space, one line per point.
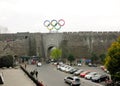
56 53
94 58
102 58
112 61
71 58
7 61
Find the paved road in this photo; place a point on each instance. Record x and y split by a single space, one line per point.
53 77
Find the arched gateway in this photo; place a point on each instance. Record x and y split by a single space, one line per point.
50 48
51 40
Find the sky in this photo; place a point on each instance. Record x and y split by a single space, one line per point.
79 15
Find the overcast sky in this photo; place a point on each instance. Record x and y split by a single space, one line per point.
79 15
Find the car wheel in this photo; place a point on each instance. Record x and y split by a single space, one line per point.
65 81
99 80
71 84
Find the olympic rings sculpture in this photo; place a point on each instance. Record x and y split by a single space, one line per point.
54 24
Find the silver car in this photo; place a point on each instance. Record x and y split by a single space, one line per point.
90 75
72 80
78 72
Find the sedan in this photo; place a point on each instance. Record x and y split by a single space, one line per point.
100 78
78 72
72 80
84 73
73 70
79 64
90 75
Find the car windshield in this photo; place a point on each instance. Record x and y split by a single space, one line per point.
74 69
85 72
77 79
79 70
97 75
92 73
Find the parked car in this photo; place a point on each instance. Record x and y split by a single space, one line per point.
55 63
48 61
84 73
78 72
79 64
68 69
73 70
39 64
99 78
92 65
90 75
104 69
59 66
64 68
60 63
72 80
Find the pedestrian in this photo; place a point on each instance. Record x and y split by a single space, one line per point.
32 73
25 65
36 73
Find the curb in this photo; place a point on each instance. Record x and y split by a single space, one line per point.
1 79
31 77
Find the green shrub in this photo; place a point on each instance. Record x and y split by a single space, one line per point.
6 61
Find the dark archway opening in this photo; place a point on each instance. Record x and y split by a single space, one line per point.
49 51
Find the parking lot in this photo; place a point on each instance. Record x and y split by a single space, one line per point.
50 76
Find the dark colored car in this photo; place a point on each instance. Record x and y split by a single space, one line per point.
73 81
100 78
73 70
48 61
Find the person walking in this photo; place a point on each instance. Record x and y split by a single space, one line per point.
36 73
32 73
25 64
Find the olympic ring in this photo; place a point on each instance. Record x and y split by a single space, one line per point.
61 22
58 26
50 27
54 24
46 23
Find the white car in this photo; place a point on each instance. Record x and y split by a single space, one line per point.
68 69
79 64
90 75
64 67
72 80
59 66
39 64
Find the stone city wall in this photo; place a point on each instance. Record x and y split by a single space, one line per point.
80 44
